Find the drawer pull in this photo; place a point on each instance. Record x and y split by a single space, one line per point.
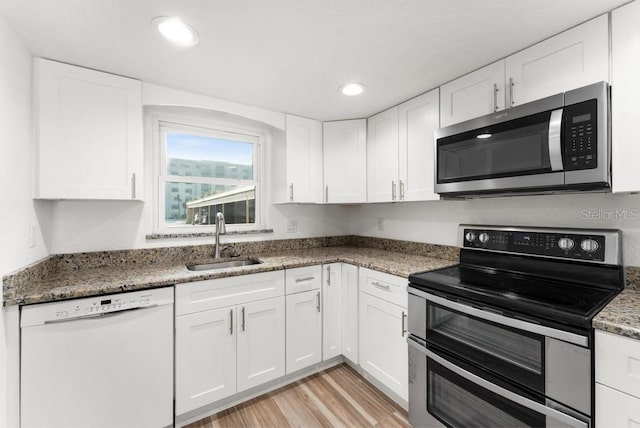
381 286
306 278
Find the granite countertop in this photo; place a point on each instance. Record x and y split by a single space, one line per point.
622 315
115 279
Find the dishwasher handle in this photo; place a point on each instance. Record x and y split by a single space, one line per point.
103 315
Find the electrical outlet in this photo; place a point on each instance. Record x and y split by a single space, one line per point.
292 226
32 235
380 223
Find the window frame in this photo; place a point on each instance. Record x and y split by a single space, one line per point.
162 125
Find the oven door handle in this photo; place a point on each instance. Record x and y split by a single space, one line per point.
566 336
555 146
504 393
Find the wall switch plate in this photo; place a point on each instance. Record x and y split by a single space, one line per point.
292 226
380 223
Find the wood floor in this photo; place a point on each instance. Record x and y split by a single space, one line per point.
336 397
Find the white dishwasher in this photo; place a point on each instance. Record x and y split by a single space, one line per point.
98 362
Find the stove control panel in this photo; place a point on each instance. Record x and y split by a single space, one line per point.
569 244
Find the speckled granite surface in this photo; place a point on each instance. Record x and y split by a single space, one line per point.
622 315
68 276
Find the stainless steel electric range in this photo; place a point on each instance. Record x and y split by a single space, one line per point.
504 339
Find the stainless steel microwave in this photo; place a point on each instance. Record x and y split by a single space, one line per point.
557 143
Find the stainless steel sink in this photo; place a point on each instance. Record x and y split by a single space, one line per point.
223 264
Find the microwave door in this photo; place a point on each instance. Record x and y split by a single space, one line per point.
525 153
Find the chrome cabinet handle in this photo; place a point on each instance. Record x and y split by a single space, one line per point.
306 278
291 192
326 193
495 97
318 301
243 325
393 190
133 185
231 322
382 286
511 102
328 275
404 315
401 190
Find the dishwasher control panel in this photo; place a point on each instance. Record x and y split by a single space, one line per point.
47 313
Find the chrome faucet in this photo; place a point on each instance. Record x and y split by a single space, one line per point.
221 229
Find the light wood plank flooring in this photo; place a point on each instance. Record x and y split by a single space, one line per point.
336 397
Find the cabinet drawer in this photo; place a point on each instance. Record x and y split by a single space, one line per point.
618 362
616 409
303 279
216 293
387 287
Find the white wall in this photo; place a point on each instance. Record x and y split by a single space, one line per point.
436 222
16 172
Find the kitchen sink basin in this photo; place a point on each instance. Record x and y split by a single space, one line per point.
223 264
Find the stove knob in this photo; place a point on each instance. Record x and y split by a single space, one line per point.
589 245
566 244
484 237
470 236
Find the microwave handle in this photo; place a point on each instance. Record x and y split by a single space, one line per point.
555 146
511 396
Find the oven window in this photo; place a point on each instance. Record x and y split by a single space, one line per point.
508 352
460 403
517 147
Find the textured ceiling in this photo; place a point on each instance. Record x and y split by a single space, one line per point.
292 55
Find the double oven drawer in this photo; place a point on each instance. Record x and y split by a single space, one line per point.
470 366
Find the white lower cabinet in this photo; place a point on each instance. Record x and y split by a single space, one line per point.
616 409
331 310
383 344
349 334
304 330
220 351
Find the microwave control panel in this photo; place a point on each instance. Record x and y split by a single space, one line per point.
580 136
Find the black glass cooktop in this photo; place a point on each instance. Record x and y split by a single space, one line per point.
557 300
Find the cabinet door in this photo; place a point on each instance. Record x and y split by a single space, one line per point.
261 346
205 358
345 161
472 95
418 120
382 156
572 59
350 312
383 345
88 133
304 159
625 69
331 311
304 330
616 409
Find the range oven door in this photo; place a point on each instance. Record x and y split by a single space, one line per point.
443 393
555 363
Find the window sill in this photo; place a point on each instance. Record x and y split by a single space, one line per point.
206 234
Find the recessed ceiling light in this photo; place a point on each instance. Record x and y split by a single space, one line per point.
352 89
483 136
176 31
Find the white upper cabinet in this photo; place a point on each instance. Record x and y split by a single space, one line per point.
382 156
418 120
625 72
88 129
345 161
303 159
472 95
574 58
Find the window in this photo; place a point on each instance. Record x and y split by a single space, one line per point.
203 172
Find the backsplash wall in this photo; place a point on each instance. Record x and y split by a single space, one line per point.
436 222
